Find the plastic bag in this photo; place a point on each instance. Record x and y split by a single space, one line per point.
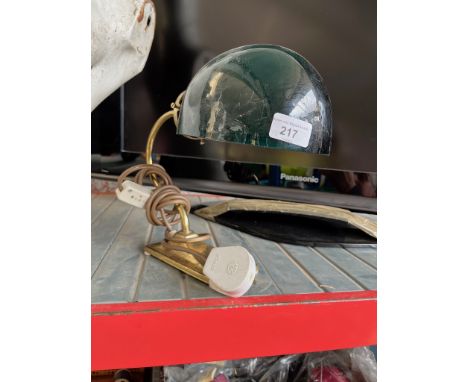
283 369
363 360
245 370
354 365
193 372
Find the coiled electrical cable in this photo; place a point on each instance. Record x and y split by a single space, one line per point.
158 207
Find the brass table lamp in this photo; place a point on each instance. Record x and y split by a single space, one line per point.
262 95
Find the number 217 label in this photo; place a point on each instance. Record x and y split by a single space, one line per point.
291 130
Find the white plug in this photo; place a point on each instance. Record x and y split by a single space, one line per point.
231 270
133 193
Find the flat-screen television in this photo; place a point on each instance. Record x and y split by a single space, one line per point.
338 37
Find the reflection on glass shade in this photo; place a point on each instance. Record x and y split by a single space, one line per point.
234 97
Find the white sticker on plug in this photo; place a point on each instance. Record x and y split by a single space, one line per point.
291 130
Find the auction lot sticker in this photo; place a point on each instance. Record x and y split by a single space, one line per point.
291 130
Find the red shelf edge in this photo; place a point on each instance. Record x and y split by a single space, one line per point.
149 306
158 333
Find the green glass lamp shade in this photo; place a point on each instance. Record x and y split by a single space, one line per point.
262 95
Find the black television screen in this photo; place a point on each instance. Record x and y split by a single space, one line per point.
338 37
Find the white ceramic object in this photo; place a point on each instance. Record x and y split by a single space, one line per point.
121 36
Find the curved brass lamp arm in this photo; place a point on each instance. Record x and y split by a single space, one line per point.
152 135
174 113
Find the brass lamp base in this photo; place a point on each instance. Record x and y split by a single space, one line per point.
190 258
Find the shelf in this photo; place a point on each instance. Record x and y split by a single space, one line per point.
145 313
